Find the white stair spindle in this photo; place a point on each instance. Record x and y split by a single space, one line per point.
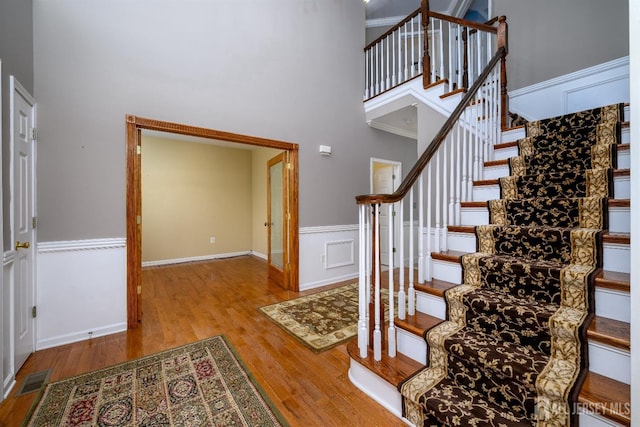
406 51
387 57
428 261
420 42
437 205
391 331
433 50
394 77
452 178
465 172
441 49
460 58
411 296
459 172
451 71
445 193
400 78
402 298
377 333
366 74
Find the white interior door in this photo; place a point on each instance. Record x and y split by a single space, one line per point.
23 124
384 180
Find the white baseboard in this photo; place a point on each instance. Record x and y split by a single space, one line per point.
81 335
193 259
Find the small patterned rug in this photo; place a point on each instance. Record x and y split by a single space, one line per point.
203 383
322 320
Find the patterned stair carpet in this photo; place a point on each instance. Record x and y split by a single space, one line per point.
513 350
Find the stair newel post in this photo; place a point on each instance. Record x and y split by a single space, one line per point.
391 332
426 57
412 228
363 288
377 333
504 96
402 299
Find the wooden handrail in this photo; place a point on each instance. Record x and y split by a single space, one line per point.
424 159
471 24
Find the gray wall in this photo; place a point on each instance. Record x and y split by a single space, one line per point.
268 69
16 52
549 38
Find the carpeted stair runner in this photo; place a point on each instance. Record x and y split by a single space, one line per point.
513 350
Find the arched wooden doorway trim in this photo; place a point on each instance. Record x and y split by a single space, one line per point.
134 126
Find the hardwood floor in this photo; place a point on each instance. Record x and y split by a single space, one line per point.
188 302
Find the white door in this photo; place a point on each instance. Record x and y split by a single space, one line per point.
23 219
385 180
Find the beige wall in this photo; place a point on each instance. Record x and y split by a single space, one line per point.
191 192
259 196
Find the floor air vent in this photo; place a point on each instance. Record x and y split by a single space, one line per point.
33 382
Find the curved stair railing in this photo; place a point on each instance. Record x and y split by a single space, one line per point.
432 191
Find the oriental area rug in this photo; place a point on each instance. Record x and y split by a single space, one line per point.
203 383
322 320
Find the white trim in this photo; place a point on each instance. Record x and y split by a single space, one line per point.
81 245
392 129
193 259
312 285
259 255
81 335
383 22
335 243
328 229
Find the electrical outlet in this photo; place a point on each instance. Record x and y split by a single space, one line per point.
212 240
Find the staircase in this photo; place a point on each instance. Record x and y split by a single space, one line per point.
602 395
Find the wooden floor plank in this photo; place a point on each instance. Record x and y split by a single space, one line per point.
188 302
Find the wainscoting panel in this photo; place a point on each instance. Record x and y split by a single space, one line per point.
607 83
80 291
328 255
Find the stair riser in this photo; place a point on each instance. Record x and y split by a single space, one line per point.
482 193
604 360
619 218
494 172
616 257
609 303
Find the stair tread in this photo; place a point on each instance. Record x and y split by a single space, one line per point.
611 332
418 323
393 370
434 287
614 280
607 397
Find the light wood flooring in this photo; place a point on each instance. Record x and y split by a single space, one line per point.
188 302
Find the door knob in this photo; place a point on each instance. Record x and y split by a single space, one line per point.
24 245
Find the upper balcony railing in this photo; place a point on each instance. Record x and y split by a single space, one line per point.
454 51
